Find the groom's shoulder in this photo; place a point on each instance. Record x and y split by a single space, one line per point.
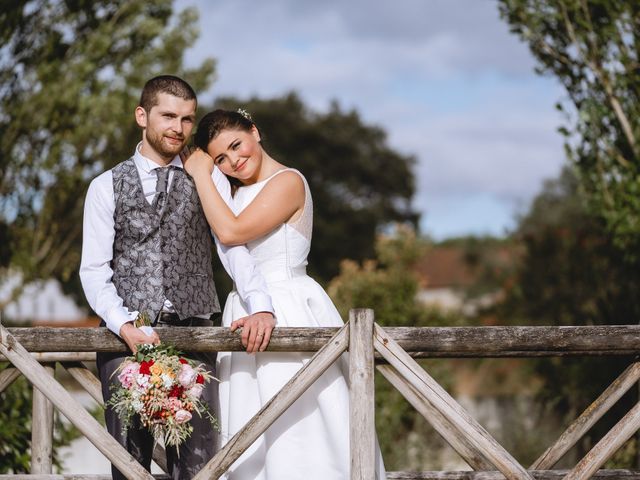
104 181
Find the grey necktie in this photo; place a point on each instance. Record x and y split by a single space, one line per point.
161 187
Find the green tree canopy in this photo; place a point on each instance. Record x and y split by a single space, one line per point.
571 273
71 74
358 182
593 48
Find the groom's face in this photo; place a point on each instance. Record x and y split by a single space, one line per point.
168 125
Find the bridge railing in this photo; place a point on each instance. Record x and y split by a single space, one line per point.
32 351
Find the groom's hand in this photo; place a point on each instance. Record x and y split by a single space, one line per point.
256 330
133 336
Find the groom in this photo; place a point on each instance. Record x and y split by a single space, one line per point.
147 250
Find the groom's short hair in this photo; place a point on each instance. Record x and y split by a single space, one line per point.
165 84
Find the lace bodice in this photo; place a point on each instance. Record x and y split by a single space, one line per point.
285 249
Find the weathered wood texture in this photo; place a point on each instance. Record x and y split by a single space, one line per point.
262 420
60 357
459 443
70 407
86 379
7 377
426 341
70 476
607 446
42 429
362 430
588 418
537 474
463 423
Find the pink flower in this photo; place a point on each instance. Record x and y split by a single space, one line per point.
182 416
187 376
128 374
173 404
195 391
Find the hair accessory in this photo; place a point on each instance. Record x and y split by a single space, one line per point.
245 114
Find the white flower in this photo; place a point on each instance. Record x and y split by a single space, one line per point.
137 405
167 381
142 380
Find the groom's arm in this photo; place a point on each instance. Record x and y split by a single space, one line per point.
98 233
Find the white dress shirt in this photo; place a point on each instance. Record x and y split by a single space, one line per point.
99 234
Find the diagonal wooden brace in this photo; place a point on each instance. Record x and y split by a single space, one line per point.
70 407
451 410
262 420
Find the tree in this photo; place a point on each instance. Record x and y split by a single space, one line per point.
571 273
71 76
387 285
358 183
593 48
15 429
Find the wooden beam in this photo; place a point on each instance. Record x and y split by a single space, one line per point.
460 475
60 356
428 342
70 407
459 443
295 387
463 423
362 429
537 474
607 446
588 418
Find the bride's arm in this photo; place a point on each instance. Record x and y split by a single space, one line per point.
280 198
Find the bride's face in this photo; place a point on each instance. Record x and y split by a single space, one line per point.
237 153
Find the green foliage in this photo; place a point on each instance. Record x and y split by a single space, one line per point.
359 184
591 46
388 286
71 74
571 273
15 429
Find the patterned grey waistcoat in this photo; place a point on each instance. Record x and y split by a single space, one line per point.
158 255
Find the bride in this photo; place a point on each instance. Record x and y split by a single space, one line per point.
272 213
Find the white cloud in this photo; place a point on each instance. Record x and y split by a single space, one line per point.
446 80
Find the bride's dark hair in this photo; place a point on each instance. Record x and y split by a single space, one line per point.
218 121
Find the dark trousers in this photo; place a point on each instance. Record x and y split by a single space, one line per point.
197 450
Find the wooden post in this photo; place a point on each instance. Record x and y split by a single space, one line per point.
448 407
42 429
276 406
459 443
362 429
70 407
607 446
588 418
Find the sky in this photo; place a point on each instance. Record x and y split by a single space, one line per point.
445 79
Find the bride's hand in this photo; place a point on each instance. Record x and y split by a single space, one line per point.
196 161
256 330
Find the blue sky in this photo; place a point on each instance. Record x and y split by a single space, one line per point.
444 78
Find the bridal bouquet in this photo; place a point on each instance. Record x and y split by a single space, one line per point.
164 389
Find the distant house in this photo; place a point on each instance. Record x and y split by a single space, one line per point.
451 276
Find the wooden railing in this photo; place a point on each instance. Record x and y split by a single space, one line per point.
32 351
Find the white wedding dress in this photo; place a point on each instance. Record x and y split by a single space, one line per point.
310 441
